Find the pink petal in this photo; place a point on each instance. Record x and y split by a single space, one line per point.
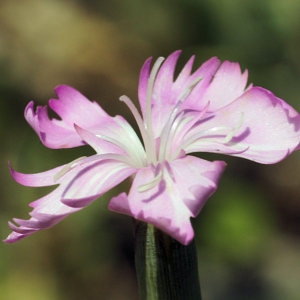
71 104
15 237
80 184
52 133
227 85
204 74
94 180
47 212
186 185
185 73
99 144
73 108
39 179
168 91
114 137
266 129
143 84
164 81
162 100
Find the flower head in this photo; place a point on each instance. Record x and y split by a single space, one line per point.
206 110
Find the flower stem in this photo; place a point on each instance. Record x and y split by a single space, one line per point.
166 269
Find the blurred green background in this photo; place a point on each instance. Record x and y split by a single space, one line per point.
248 234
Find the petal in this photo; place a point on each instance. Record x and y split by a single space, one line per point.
196 84
227 85
38 179
94 180
167 91
80 184
143 84
69 106
47 212
97 142
265 129
52 133
15 237
186 185
163 82
115 137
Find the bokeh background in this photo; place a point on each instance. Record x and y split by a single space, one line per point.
248 234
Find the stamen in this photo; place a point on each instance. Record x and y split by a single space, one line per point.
175 120
151 82
133 144
136 159
214 134
148 186
140 123
151 149
164 171
148 144
208 133
67 168
118 157
145 126
189 89
112 141
165 135
184 122
235 129
134 112
97 158
179 123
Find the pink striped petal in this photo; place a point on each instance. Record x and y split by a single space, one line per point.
115 138
80 184
265 129
228 84
196 84
38 179
73 108
47 212
186 185
168 91
94 180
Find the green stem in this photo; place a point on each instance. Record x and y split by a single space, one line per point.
166 269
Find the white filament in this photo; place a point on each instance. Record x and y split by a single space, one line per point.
166 138
145 126
151 82
234 130
189 89
147 142
67 168
151 184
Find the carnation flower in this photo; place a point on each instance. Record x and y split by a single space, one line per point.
210 109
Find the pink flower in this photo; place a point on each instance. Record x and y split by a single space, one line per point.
208 110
